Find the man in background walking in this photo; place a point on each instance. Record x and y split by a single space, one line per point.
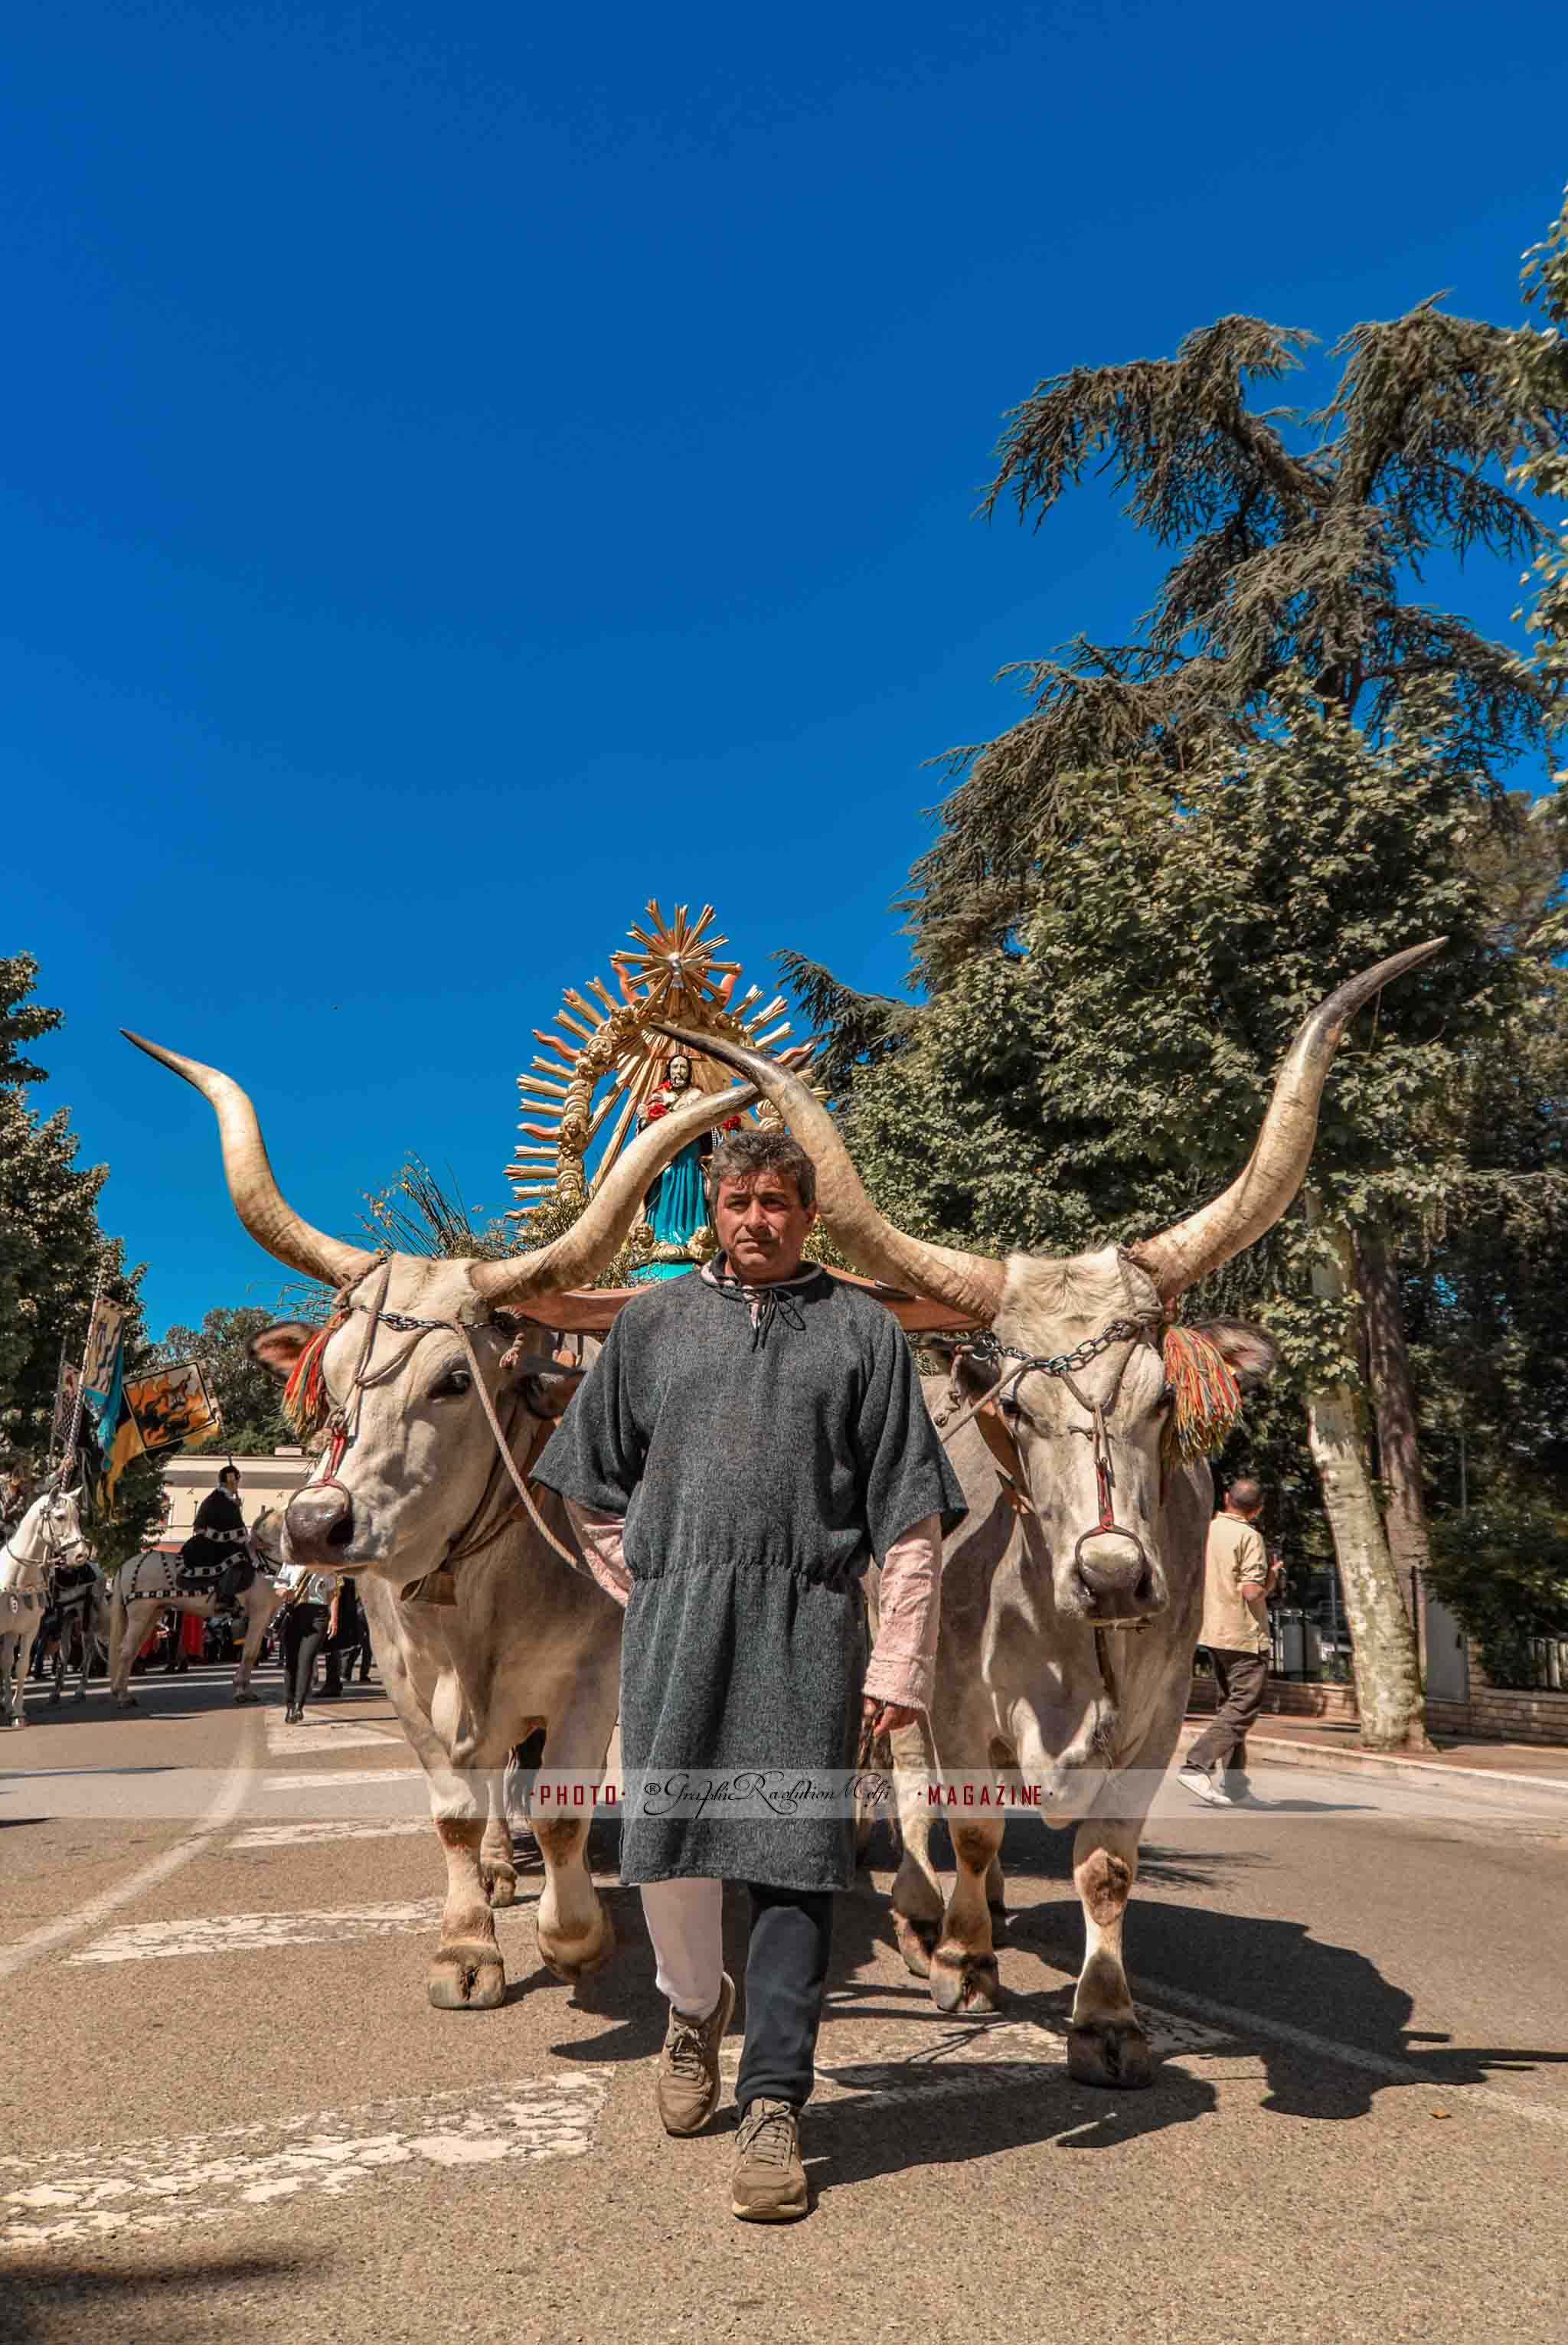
1236 1580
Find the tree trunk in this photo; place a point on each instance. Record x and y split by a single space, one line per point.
1388 1688
1393 1403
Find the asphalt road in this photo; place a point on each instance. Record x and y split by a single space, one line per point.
229 2112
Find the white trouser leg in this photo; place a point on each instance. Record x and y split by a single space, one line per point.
685 1921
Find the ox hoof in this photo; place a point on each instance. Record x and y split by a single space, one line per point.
53 1698
916 1942
500 1883
80 1694
467 1981
968 1983
1111 2053
242 1697
127 1702
578 1958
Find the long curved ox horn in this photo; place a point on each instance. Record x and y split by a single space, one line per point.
971 1282
570 1260
1267 1186
257 1200
579 1254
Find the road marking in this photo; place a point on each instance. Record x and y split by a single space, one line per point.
242 1934
977 2056
104 2191
226 1805
1241 2025
347 1775
310 1835
322 1733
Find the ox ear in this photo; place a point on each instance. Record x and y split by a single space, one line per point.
550 1395
1247 1351
278 1348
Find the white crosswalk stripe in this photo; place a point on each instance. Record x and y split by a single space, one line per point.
324 1732
927 2059
307 1835
238 1933
347 1775
101 2192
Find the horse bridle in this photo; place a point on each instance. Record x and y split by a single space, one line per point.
988 1350
43 1564
342 1424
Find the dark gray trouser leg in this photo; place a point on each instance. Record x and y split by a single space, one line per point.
785 1977
302 1631
1242 1679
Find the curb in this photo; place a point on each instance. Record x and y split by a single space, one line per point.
1282 1749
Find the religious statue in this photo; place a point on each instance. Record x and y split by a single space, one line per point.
675 1209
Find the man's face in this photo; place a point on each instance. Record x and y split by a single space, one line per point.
762 1224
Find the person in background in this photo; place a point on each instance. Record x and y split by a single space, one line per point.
1237 1577
311 1615
343 1643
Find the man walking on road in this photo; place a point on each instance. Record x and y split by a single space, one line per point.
1236 1580
751 1436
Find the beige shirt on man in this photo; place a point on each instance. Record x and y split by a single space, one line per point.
1235 1554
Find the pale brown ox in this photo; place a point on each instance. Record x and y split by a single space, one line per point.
1066 1651
526 1642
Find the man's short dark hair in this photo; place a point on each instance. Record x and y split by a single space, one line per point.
1245 1495
228 1471
744 1153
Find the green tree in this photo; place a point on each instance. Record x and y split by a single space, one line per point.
1108 1072
1298 542
50 1243
1538 359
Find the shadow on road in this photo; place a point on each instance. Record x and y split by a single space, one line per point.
1299 1985
44 2303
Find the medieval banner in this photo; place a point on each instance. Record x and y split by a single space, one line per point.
173 1404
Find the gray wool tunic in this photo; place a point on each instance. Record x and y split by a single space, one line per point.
761 1452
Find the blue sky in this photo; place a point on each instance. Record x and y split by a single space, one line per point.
466 471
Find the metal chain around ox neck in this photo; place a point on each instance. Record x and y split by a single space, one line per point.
988 1350
343 1424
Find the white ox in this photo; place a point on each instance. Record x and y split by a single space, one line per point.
417 1484
45 1535
1066 1640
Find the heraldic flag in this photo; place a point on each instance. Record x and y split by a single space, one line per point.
104 1395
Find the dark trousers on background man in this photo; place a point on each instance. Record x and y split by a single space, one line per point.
1241 1681
304 1626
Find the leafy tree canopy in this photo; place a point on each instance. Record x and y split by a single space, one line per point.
1298 542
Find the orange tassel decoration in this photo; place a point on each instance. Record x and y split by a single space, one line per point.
306 1401
1208 1397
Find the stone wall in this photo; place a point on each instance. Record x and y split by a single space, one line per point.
1501 1714
1493 1713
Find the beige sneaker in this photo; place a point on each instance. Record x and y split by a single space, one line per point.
689 2065
768 2184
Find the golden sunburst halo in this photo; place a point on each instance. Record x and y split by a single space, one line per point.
606 1061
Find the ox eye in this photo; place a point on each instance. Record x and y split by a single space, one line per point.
1009 1409
453 1385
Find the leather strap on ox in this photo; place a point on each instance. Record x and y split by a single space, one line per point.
343 1424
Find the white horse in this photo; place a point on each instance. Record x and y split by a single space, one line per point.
79 1597
45 1534
148 1584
